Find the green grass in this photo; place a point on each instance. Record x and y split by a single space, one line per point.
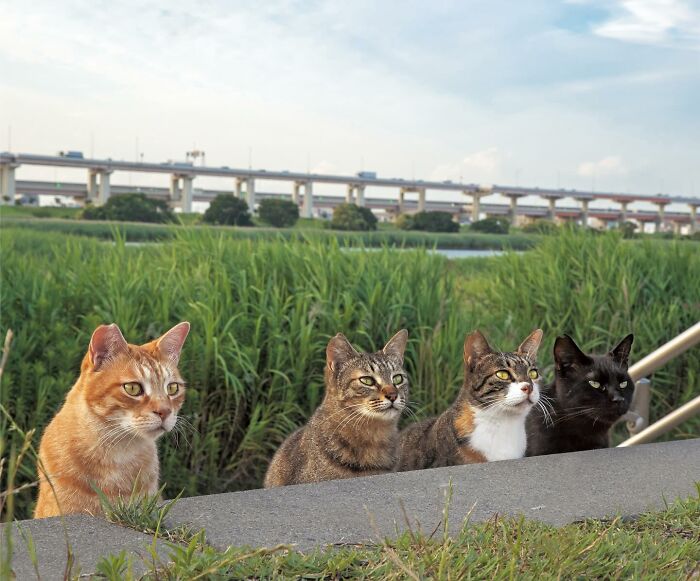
262 312
657 545
142 232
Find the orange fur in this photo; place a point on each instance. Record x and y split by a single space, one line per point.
103 436
464 422
464 426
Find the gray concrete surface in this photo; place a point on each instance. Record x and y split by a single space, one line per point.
555 489
90 538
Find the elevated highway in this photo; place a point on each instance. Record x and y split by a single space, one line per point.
181 191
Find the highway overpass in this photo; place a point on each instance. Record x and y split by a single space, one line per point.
181 191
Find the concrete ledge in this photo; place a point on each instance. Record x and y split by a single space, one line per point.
556 489
90 539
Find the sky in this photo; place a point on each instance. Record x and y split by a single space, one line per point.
586 94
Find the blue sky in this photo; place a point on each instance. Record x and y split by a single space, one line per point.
582 93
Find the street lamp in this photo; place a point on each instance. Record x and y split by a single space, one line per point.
195 153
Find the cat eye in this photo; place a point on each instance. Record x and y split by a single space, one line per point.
502 375
133 389
397 379
623 385
173 388
533 374
595 384
367 380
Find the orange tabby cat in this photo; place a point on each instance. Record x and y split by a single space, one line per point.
105 433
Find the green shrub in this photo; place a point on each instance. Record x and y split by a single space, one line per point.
428 222
492 225
353 217
627 229
405 222
278 213
546 227
130 208
229 210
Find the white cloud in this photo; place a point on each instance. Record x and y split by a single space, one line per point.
325 167
608 166
665 22
482 165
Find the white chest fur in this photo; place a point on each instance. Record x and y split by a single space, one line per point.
498 435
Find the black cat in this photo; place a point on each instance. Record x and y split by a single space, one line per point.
589 394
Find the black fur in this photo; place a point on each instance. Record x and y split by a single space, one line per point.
580 416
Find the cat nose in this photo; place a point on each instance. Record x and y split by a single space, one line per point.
527 388
391 395
163 413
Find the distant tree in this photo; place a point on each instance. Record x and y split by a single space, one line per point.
541 227
429 222
130 208
628 229
352 217
491 225
228 210
278 213
405 222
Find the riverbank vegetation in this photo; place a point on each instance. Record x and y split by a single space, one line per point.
262 310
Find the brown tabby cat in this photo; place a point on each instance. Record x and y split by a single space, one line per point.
105 434
487 420
354 431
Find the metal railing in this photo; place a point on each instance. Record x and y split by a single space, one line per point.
638 416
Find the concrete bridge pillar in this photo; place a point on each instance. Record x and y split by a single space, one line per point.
186 201
402 200
514 208
349 194
660 219
92 186
308 208
623 211
103 191
238 192
476 206
693 219
7 183
421 200
584 212
175 190
250 193
295 192
552 213
360 196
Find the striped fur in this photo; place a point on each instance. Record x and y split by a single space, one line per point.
354 431
487 420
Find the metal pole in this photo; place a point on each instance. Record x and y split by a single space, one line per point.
638 414
673 348
665 424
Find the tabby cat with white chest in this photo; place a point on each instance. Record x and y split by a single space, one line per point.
487 420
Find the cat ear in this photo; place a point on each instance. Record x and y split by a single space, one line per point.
106 343
396 346
567 353
531 344
170 343
475 347
621 353
338 351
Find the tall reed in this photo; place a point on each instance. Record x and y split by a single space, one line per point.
263 310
